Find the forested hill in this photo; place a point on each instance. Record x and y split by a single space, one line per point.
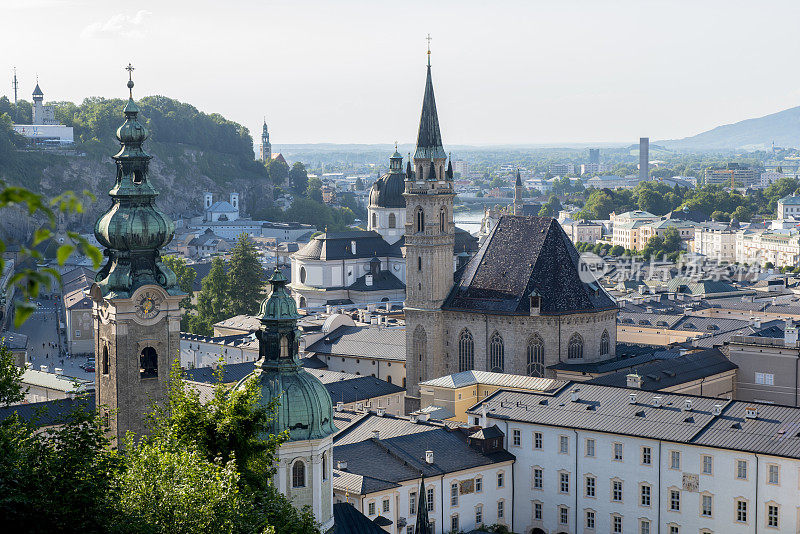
192 152
782 128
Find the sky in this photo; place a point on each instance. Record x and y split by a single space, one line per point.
347 71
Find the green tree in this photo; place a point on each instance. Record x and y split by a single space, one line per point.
245 278
278 171
742 214
359 184
550 208
10 376
213 300
186 277
314 189
617 250
298 178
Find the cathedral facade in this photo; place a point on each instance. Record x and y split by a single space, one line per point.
518 306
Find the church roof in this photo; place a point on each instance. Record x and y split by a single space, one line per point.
429 138
222 206
520 255
339 246
387 191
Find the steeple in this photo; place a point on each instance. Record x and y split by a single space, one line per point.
423 524
518 192
133 230
429 138
266 146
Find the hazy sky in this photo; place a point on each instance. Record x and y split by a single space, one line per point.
345 71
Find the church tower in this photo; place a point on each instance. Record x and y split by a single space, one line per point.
429 240
135 296
305 462
266 147
518 191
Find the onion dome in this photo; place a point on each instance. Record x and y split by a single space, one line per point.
304 407
133 230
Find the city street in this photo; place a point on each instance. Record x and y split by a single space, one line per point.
46 346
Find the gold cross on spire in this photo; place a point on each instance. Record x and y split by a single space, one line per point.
428 38
130 70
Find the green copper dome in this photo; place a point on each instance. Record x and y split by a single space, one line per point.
133 230
305 408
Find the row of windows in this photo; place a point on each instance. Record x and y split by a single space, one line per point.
534 352
454 494
419 220
392 220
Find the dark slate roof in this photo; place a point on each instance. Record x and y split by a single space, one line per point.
365 341
387 191
231 373
429 138
663 374
399 453
348 520
488 433
37 91
313 363
620 362
48 413
338 246
531 210
465 242
384 281
520 255
607 409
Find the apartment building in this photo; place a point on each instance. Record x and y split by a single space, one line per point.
716 241
598 459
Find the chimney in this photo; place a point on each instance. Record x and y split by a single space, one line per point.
634 381
376 434
751 412
717 410
576 395
59 371
428 457
657 401
44 369
790 334
341 465
687 405
339 406
632 398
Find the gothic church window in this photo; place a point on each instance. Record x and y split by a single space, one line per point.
575 347
535 355
105 360
442 219
419 263
374 220
392 220
299 474
466 351
496 353
148 363
419 219
604 343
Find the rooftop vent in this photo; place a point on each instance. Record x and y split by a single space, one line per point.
632 398
44 369
413 418
657 401
428 457
423 417
376 434
380 412
59 371
339 406
687 405
717 410
341 465
576 395
751 412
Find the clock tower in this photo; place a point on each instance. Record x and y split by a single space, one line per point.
135 296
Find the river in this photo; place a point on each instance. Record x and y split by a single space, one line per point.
469 220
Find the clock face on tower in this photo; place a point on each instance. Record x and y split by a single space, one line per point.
148 304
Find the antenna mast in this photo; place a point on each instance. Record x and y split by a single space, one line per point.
14 85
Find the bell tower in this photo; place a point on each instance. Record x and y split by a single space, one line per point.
429 239
135 296
266 147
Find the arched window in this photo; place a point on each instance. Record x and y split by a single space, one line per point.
442 219
389 378
535 356
496 353
148 363
302 275
302 302
420 344
299 474
392 220
105 360
324 466
284 347
575 347
466 351
374 220
419 263
419 219
605 340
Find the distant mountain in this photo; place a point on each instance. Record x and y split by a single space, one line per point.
782 128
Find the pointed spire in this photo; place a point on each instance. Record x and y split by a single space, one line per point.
429 138
450 168
518 183
423 525
409 172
